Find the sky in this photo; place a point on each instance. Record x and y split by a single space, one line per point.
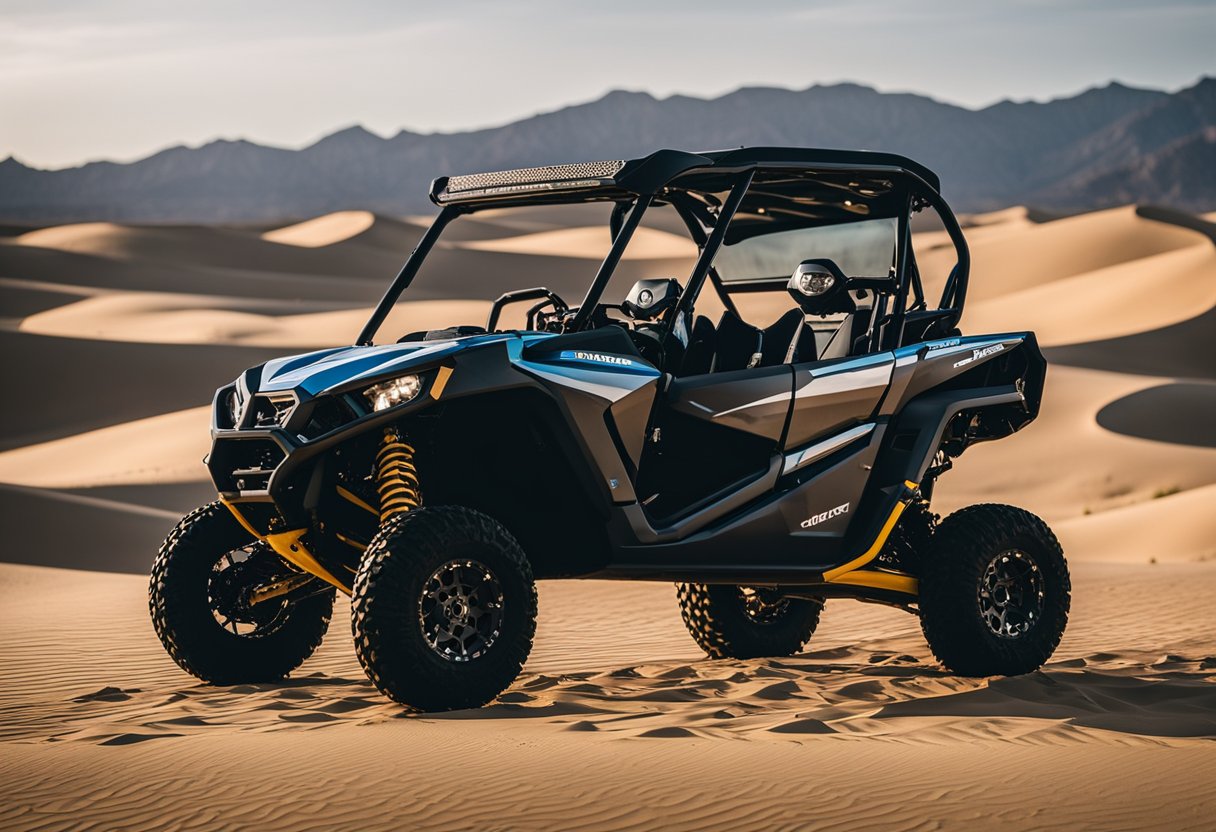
119 79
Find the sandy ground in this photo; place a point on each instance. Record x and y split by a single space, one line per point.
118 335
623 727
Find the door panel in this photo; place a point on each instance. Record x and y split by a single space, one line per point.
710 435
832 395
754 401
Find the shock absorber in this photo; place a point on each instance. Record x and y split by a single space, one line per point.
396 477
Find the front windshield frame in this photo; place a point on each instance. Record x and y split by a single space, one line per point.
709 240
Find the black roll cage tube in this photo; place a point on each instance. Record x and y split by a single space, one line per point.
686 209
620 241
725 214
408 271
622 226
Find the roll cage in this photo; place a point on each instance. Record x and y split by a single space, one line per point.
724 197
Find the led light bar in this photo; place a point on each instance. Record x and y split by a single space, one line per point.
528 180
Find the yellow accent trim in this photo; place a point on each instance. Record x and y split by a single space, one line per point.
346 495
856 563
240 518
840 573
293 550
352 543
880 580
290 548
441 381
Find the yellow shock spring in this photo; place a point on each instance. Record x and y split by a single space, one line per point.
396 477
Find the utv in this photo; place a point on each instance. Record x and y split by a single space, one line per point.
434 476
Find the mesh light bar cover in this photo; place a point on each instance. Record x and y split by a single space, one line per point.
528 179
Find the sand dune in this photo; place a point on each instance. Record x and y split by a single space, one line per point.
1177 534
1016 216
1065 464
64 382
323 231
158 449
376 252
1013 257
1182 350
81 531
117 335
200 246
591 242
1139 413
1143 294
358 279
163 318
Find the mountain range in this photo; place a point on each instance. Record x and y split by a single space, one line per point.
1105 146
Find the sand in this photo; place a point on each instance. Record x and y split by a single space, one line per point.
1006 258
324 230
117 336
1144 294
165 318
604 730
155 450
593 243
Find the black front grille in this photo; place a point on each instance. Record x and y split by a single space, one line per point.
244 464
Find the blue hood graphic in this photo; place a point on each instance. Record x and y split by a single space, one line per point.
315 373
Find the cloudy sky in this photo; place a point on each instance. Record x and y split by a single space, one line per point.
118 79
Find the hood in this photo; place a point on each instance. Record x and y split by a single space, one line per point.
315 373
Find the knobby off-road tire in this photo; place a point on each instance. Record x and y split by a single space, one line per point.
727 622
444 609
994 568
181 608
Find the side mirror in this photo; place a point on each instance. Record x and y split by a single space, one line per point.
648 300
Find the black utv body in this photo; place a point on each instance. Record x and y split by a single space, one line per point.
433 476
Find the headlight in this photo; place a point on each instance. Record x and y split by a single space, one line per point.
393 392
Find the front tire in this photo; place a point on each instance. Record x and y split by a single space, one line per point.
202 567
994 592
444 609
732 622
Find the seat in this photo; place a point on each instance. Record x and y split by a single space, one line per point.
832 339
741 346
702 344
840 340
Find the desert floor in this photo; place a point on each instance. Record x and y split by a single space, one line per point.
115 336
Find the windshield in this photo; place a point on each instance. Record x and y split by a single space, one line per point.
482 255
860 249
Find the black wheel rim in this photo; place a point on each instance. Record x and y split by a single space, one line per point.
233 575
1011 594
763 606
461 610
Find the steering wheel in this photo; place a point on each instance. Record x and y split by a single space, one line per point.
536 318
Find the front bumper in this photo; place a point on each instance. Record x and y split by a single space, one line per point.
265 469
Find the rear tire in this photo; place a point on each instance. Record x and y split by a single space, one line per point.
273 640
731 622
444 609
994 592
